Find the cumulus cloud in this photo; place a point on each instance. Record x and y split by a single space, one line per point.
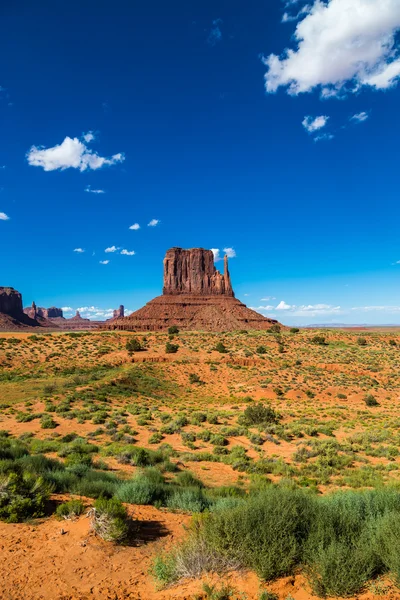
111 249
71 153
135 226
283 306
309 310
79 250
215 34
153 223
128 252
230 252
360 117
4 217
66 309
312 124
341 46
104 262
88 188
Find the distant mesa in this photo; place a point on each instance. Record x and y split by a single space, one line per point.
196 296
35 312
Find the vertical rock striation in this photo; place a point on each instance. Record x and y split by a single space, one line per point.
193 272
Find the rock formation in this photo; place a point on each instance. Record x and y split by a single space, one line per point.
12 315
10 302
119 312
193 272
44 313
195 297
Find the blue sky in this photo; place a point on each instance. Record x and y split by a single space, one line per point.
269 128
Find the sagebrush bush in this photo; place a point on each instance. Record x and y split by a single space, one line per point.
22 496
70 509
259 414
109 520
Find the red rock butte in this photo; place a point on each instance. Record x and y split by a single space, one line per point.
196 297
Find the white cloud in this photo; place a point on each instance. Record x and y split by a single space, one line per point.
79 250
360 117
4 217
323 136
283 306
215 34
88 137
230 252
268 298
388 309
111 249
216 253
135 226
88 188
71 153
263 307
128 252
341 46
287 18
309 310
311 124
153 223
66 309
104 262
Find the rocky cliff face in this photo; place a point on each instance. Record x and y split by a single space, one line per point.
193 272
45 313
50 313
10 302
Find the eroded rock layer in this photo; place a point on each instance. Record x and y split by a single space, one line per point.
193 313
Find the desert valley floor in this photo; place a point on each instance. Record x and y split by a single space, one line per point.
181 420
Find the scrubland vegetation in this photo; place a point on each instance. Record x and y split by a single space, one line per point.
283 445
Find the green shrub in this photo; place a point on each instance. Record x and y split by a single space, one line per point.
319 340
258 414
294 330
361 341
194 378
70 509
109 520
261 350
173 330
266 533
171 348
386 543
339 552
370 400
274 328
133 345
22 496
146 487
47 422
220 347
